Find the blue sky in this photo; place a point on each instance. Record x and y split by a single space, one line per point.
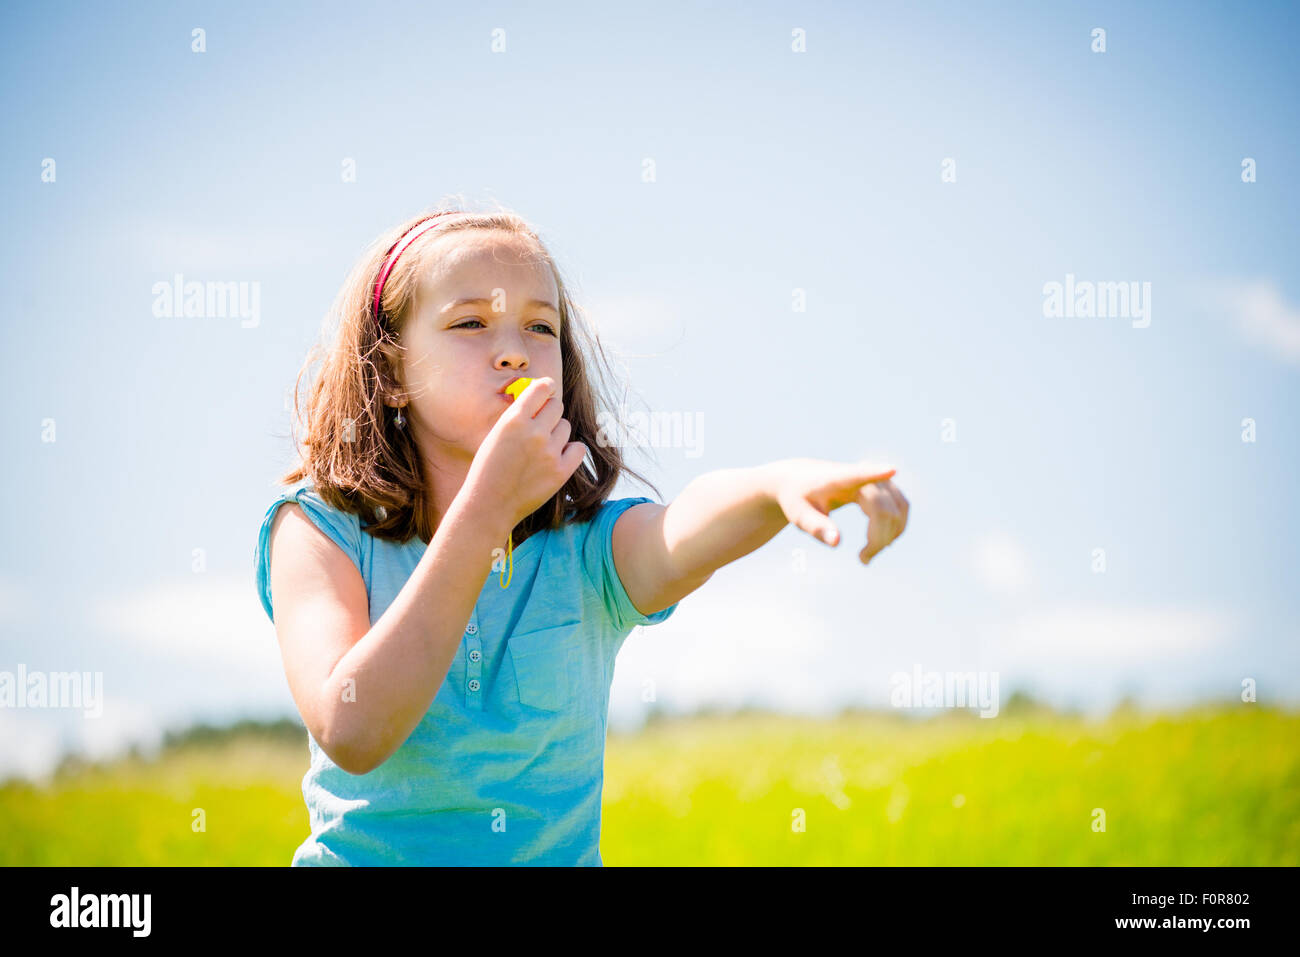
774 171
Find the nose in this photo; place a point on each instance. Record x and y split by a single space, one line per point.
513 353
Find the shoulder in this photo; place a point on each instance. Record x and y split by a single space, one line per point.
608 552
618 513
611 510
318 509
629 523
312 518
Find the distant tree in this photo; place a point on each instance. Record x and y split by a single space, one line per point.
1022 702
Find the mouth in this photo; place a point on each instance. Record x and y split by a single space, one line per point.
505 385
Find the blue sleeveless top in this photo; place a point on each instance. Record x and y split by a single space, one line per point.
507 765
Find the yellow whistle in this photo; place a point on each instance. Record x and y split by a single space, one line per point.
514 388
518 386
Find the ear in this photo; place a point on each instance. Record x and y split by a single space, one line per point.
389 367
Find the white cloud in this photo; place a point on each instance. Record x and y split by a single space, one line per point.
1001 563
123 723
34 740
1262 316
216 253
1116 639
197 643
206 621
753 632
634 326
32 743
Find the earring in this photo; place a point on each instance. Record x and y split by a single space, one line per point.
398 420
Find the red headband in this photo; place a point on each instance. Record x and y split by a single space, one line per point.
395 251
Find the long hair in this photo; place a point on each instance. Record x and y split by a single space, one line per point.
360 462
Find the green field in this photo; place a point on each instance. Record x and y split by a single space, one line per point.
1210 786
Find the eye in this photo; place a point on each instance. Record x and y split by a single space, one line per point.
545 327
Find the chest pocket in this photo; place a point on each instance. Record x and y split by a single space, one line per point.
546 666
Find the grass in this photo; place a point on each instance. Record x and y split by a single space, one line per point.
1211 786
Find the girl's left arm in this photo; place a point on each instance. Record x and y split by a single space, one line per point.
663 553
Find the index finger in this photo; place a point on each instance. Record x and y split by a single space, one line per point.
536 395
861 473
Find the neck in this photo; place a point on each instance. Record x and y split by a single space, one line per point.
446 469
445 475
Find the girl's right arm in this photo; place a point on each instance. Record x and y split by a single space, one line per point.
362 690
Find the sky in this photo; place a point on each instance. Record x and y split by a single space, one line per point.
852 212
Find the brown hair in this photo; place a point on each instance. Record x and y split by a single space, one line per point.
360 462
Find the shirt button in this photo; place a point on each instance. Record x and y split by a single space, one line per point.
474 655
473 684
472 629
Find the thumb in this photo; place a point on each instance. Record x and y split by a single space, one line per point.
815 523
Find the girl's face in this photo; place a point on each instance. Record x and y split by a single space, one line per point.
487 313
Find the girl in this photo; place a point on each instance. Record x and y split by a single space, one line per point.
454 715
